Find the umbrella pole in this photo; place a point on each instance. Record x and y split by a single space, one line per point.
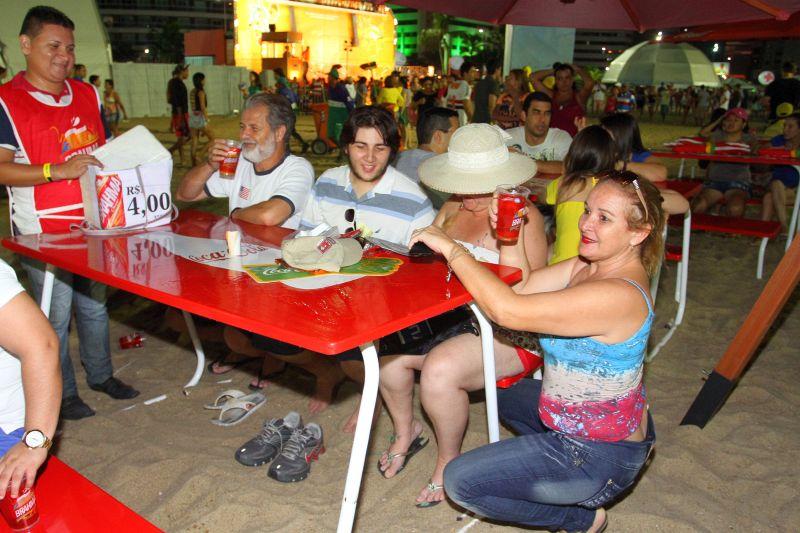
743 346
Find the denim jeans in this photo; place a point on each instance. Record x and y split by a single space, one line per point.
542 478
88 299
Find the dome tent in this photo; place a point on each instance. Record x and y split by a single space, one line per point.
653 63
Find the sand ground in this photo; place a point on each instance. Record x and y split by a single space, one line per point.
170 464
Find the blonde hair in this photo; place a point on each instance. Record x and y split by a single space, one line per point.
645 212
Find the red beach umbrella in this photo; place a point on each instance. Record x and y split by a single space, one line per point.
639 15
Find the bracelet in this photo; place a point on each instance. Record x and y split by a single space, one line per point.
458 251
48 176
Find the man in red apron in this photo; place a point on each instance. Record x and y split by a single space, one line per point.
49 125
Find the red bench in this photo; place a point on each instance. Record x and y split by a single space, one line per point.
765 230
68 502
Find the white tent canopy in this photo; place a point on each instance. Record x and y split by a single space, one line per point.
653 63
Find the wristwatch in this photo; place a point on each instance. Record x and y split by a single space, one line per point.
34 439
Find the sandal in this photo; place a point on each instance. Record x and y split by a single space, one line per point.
416 445
237 409
263 380
432 487
223 398
223 360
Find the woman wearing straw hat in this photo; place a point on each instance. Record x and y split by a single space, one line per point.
477 162
585 430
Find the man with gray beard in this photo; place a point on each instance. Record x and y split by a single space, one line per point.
270 186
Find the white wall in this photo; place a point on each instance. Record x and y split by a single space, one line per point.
142 87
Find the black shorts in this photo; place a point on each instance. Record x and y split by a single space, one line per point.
421 338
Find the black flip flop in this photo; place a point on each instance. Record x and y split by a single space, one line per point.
416 445
262 377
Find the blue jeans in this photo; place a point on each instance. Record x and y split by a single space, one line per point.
542 478
88 299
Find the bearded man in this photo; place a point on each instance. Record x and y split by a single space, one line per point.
270 186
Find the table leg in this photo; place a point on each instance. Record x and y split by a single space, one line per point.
793 220
358 454
47 289
198 350
680 168
489 375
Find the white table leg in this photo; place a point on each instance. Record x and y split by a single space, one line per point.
47 289
793 220
358 454
489 375
198 350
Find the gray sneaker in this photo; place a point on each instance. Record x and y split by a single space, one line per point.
294 462
273 437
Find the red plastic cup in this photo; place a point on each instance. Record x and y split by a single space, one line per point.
510 203
227 169
21 513
134 340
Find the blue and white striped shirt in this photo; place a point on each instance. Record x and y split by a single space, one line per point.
392 210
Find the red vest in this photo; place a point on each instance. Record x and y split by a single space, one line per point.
48 132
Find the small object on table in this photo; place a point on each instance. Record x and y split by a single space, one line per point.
234 240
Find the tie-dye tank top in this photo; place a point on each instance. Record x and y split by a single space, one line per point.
594 390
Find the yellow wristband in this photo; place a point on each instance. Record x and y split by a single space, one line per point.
48 177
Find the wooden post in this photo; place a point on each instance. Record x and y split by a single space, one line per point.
743 346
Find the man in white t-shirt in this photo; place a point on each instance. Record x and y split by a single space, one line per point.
725 99
459 92
548 146
29 348
270 186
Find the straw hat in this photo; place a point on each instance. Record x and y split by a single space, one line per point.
476 162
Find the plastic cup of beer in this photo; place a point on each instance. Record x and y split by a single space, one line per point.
511 200
227 169
21 513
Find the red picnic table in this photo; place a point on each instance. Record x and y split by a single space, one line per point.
70 503
328 320
729 158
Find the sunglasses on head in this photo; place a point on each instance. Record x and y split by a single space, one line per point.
625 177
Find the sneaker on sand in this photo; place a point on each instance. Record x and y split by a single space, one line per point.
273 437
294 462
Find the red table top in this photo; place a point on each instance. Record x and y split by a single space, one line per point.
68 502
329 320
748 159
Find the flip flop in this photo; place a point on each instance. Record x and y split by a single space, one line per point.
223 398
432 487
224 361
416 445
265 379
237 409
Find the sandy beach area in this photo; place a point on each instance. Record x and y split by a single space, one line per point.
170 464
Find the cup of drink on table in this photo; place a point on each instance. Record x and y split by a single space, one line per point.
511 200
227 169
